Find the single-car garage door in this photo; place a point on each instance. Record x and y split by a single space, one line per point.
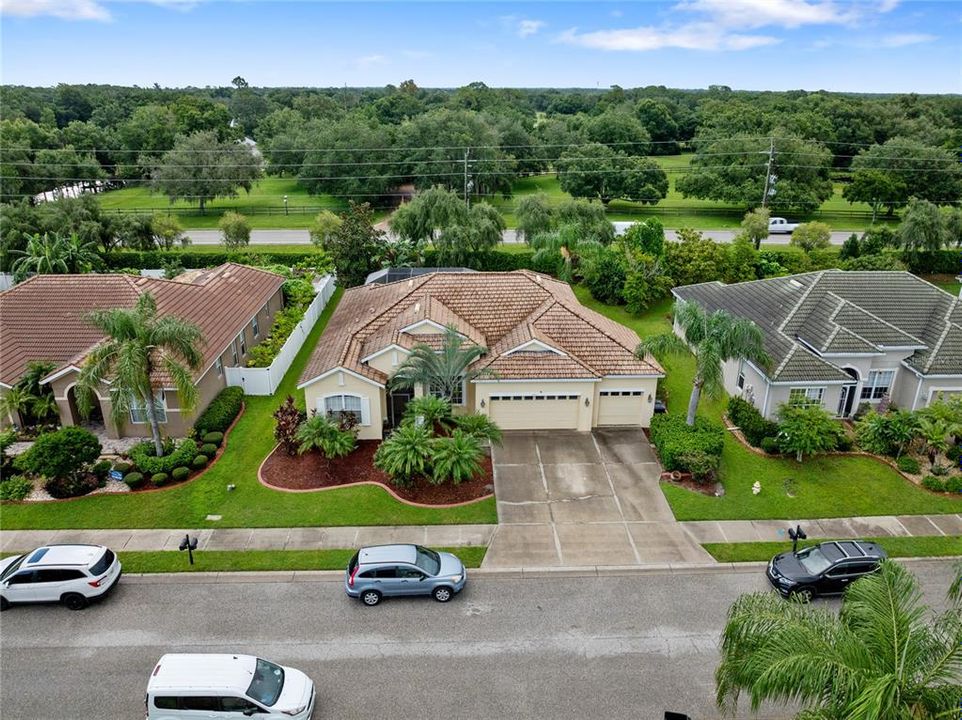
620 407
535 412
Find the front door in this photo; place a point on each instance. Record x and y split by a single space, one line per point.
397 401
846 401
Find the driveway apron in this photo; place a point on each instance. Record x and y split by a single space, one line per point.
569 499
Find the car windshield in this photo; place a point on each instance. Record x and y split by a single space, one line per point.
267 683
428 560
814 561
12 568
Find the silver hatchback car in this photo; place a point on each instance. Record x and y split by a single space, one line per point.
389 570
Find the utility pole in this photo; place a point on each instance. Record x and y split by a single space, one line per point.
768 174
467 153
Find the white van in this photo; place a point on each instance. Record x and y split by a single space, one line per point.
184 687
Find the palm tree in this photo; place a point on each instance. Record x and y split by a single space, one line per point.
934 432
139 344
441 371
883 657
16 402
714 338
55 255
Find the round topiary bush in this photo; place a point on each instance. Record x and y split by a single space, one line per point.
933 483
769 445
180 474
134 480
123 467
159 479
208 449
908 465
954 484
214 437
199 462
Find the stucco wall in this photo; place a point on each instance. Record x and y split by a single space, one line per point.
338 383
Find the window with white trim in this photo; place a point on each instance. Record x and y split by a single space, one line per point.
233 353
138 410
806 396
337 407
219 364
740 382
877 384
243 344
255 327
457 397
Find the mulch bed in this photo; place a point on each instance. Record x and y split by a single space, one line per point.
312 471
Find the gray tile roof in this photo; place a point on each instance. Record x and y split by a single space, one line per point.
833 311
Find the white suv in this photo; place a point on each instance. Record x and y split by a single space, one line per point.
186 686
71 574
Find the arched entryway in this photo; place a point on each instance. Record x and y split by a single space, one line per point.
846 400
94 421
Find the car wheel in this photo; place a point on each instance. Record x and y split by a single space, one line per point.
4 604
442 594
74 601
370 597
804 594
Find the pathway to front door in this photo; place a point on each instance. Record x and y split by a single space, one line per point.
581 499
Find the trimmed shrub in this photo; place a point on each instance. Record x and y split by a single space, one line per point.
221 412
15 488
908 465
753 426
65 453
143 456
159 479
199 462
701 465
208 449
954 484
674 438
844 443
134 480
954 453
123 467
73 486
215 438
456 458
770 445
933 484
405 453
101 470
180 474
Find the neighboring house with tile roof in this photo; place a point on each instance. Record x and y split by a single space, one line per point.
553 363
44 319
843 338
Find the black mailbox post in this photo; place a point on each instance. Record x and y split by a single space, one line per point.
189 544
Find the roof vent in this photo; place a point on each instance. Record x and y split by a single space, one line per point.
794 283
417 307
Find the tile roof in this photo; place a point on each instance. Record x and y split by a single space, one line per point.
499 311
43 318
834 311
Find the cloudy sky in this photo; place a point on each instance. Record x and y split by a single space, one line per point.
868 46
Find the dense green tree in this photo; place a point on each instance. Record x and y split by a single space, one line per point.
235 230
619 130
200 168
875 187
812 236
354 245
806 429
657 119
647 236
323 225
695 258
533 216
755 225
597 171
923 227
588 218
167 231
348 158
428 214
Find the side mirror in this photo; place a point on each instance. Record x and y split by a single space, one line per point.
250 711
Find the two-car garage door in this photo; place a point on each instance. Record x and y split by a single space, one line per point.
535 412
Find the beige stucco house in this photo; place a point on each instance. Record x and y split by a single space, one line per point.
552 363
44 319
842 338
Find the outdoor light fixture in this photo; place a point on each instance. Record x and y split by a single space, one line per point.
482 403
587 402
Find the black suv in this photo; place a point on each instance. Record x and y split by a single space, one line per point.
825 569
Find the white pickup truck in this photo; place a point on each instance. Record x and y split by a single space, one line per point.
777 225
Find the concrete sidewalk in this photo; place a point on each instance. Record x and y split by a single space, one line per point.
736 531
308 538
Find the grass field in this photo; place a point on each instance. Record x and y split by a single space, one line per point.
824 486
934 546
250 504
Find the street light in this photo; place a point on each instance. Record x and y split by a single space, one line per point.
285 204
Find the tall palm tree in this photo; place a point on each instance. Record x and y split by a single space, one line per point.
443 371
714 338
137 346
883 657
55 254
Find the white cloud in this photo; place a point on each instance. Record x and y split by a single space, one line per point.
63 9
780 13
693 36
367 61
903 39
522 27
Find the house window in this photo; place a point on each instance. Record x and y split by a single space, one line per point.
457 397
233 353
219 364
342 406
138 410
243 344
740 382
255 327
806 396
878 384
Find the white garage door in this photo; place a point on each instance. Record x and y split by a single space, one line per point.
620 407
535 412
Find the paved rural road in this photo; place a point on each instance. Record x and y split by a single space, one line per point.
301 237
615 647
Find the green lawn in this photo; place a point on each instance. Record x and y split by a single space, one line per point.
826 486
250 504
934 546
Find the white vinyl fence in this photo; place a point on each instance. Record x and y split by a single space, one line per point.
264 381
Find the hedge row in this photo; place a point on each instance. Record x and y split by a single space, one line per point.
144 259
221 412
674 439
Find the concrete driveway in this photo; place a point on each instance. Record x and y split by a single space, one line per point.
583 499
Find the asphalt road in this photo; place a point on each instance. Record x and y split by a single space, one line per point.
301 237
556 648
